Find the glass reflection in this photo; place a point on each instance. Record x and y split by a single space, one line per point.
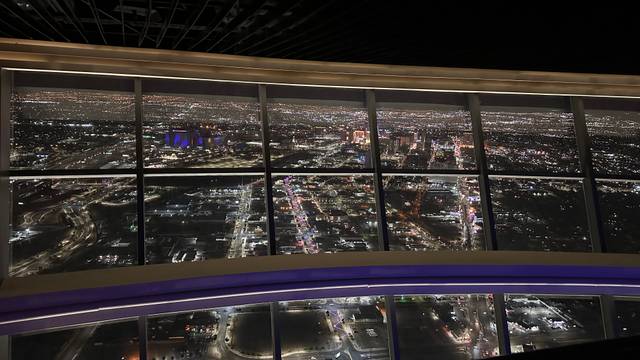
539 322
72 224
204 217
316 214
352 327
96 341
433 213
539 214
446 326
239 332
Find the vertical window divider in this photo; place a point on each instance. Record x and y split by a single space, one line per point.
473 103
591 204
502 327
6 84
392 327
142 337
137 88
383 237
6 78
491 244
589 184
266 158
268 199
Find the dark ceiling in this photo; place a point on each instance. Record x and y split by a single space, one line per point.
580 39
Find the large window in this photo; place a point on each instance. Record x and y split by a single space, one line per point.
327 213
538 322
238 332
94 341
433 213
627 316
114 171
450 326
619 204
64 224
529 134
540 214
446 326
201 124
190 218
71 122
421 130
341 327
614 128
318 128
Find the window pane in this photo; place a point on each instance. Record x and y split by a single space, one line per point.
201 124
539 322
71 122
614 128
446 326
324 214
540 214
619 206
72 224
194 218
318 128
433 213
628 316
529 134
424 131
90 342
354 327
224 333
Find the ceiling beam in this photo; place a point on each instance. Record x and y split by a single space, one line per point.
192 21
94 12
217 22
143 34
166 23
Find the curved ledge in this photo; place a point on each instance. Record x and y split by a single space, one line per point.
54 56
46 301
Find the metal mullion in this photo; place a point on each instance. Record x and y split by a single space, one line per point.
590 190
28 173
6 80
589 184
276 347
266 156
304 171
137 86
383 237
473 103
608 309
392 327
502 327
275 331
534 174
143 346
431 172
206 171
